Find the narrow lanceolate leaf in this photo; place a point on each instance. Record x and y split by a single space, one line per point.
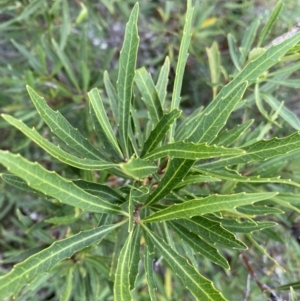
210 204
127 64
55 150
122 283
199 286
149 94
175 173
233 51
182 58
211 231
228 137
112 95
42 262
149 260
246 226
284 112
253 210
31 59
162 81
232 175
101 115
62 128
134 259
216 114
191 151
214 61
271 21
103 191
250 73
261 151
66 63
54 185
138 168
200 246
16 182
159 132
106 148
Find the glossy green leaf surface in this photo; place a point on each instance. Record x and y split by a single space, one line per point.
122 275
232 175
138 168
149 94
159 132
211 231
100 111
228 137
260 151
127 64
181 62
176 171
62 128
55 150
210 204
199 286
45 260
200 246
191 151
162 81
52 184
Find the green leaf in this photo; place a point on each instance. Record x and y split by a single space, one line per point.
99 109
247 41
122 275
134 256
258 210
149 94
210 204
66 64
217 112
16 182
68 286
287 286
284 112
191 151
233 51
260 107
176 171
246 226
195 179
55 150
127 64
200 246
271 21
212 232
233 175
45 260
62 128
162 81
112 95
54 185
215 115
159 132
66 25
199 286
138 168
103 191
214 62
34 63
148 262
228 137
260 151
181 62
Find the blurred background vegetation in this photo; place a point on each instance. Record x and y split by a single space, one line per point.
62 49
